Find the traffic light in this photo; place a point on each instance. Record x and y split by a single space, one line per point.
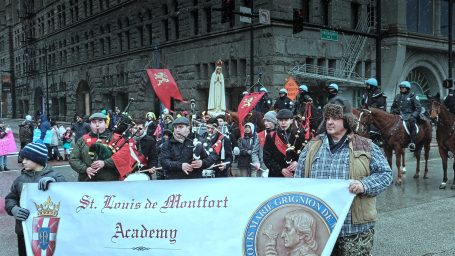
297 21
227 7
448 83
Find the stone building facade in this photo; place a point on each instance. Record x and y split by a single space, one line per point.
91 54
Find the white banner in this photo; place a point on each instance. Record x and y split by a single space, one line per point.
230 216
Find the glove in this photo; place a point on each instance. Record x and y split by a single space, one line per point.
20 213
39 141
43 183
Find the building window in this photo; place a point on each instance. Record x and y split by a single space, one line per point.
102 49
165 29
195 19
445 19
419 16
85 8
355 14
149 32
120 41
140 31
208 20
324 9
198 71
176 27
242 67
306 10
127 38
108 42
233 68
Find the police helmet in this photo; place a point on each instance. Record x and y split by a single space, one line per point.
283 91
263 89
405 84
245 93
303 88
372 82
333 86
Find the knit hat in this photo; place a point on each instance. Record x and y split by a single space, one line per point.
340 109
35 152
271 117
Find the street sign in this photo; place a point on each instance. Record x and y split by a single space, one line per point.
245 10
329 35
264 16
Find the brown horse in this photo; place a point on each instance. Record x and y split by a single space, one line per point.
445 136
362 131
396 138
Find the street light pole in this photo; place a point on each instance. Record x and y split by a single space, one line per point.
47 85
450 37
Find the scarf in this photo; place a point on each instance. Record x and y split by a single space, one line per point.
334 146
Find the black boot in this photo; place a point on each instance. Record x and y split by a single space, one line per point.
5 168
412 131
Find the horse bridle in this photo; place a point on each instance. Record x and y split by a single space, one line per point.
436 110
360 118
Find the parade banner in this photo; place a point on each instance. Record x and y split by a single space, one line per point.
247 104
164 86
225 216
7 144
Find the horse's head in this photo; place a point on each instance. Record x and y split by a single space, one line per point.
364 118
435 109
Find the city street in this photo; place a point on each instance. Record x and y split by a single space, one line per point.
416 218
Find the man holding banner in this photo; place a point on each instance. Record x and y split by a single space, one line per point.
340 154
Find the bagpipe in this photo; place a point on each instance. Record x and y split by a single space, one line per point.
113 146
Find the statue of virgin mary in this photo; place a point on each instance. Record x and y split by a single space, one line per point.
217 94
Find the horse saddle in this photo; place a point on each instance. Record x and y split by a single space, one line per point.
406 126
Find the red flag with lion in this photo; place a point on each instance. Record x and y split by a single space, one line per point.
247 104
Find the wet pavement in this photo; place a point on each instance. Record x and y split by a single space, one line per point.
415 218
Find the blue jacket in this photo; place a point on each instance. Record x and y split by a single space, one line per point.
44 126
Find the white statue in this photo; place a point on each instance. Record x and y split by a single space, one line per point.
217 94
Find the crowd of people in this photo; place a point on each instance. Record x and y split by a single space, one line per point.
191 145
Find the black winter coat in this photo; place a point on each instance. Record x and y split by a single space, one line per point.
374 99
174 154
407 105
273 158
449 101
283 103
14 196
147 146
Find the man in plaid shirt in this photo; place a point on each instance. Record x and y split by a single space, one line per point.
340 154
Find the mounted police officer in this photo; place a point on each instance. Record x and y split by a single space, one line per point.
449 101
302 99
283 102
407 105
332 90
373 98
265 104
